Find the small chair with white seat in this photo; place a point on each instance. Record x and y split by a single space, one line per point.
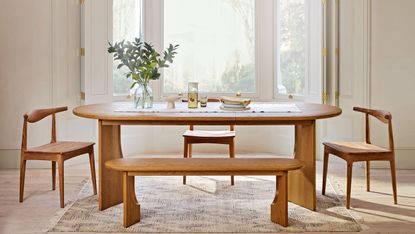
193 136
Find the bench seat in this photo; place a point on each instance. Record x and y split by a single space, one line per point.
131 167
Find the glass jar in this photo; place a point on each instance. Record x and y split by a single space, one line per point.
143 96
203 101
193 88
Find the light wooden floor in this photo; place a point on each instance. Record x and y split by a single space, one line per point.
40 204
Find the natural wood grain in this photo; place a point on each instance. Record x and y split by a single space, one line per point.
92 168
131 205
363 152
222 165
368 176
53 175
279 207
304 194
56 151
39 114
303 181
232 155
110 182
375 208
62 147
356 148
325 167
197 166
382 115
61 182
106 112
186 154
209 134
193 136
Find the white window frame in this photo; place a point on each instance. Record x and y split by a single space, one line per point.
155 33
290 96
266 74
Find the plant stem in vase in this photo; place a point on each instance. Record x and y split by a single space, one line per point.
143 97
144 64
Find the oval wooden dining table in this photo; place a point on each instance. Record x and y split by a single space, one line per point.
302 183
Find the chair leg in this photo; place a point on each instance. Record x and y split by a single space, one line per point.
185 155
232 155
22 178
325 167
393 174
349 183
368 176
190 153
93 177
61 188
53 175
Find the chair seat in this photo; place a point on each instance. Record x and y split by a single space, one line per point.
209 134
355 148
62 147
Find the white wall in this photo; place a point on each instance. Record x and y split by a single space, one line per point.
352 72
392 79
377 67
40 67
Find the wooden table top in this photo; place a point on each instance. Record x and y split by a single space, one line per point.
106 112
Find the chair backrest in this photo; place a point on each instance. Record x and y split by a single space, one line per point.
381 115
231 127
37 115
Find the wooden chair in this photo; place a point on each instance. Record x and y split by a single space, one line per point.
209 137
54 151
363 151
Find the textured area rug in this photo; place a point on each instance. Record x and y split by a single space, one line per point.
206 204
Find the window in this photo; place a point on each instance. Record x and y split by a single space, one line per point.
267 50
217 45
291 55
127 24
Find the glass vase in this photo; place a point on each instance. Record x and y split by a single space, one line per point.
143 96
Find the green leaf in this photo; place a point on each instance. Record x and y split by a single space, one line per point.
143 61
133 84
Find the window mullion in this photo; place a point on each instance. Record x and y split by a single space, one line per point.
264 49
153 32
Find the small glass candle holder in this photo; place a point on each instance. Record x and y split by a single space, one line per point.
203 101
193 93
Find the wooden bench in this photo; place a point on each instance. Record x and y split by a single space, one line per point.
131 167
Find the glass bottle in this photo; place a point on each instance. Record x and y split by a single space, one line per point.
192 101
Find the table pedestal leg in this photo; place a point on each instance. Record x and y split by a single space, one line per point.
302 183
110 181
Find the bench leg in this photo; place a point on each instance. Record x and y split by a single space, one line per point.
279 207
131 206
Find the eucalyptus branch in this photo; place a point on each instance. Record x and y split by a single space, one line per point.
142 60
